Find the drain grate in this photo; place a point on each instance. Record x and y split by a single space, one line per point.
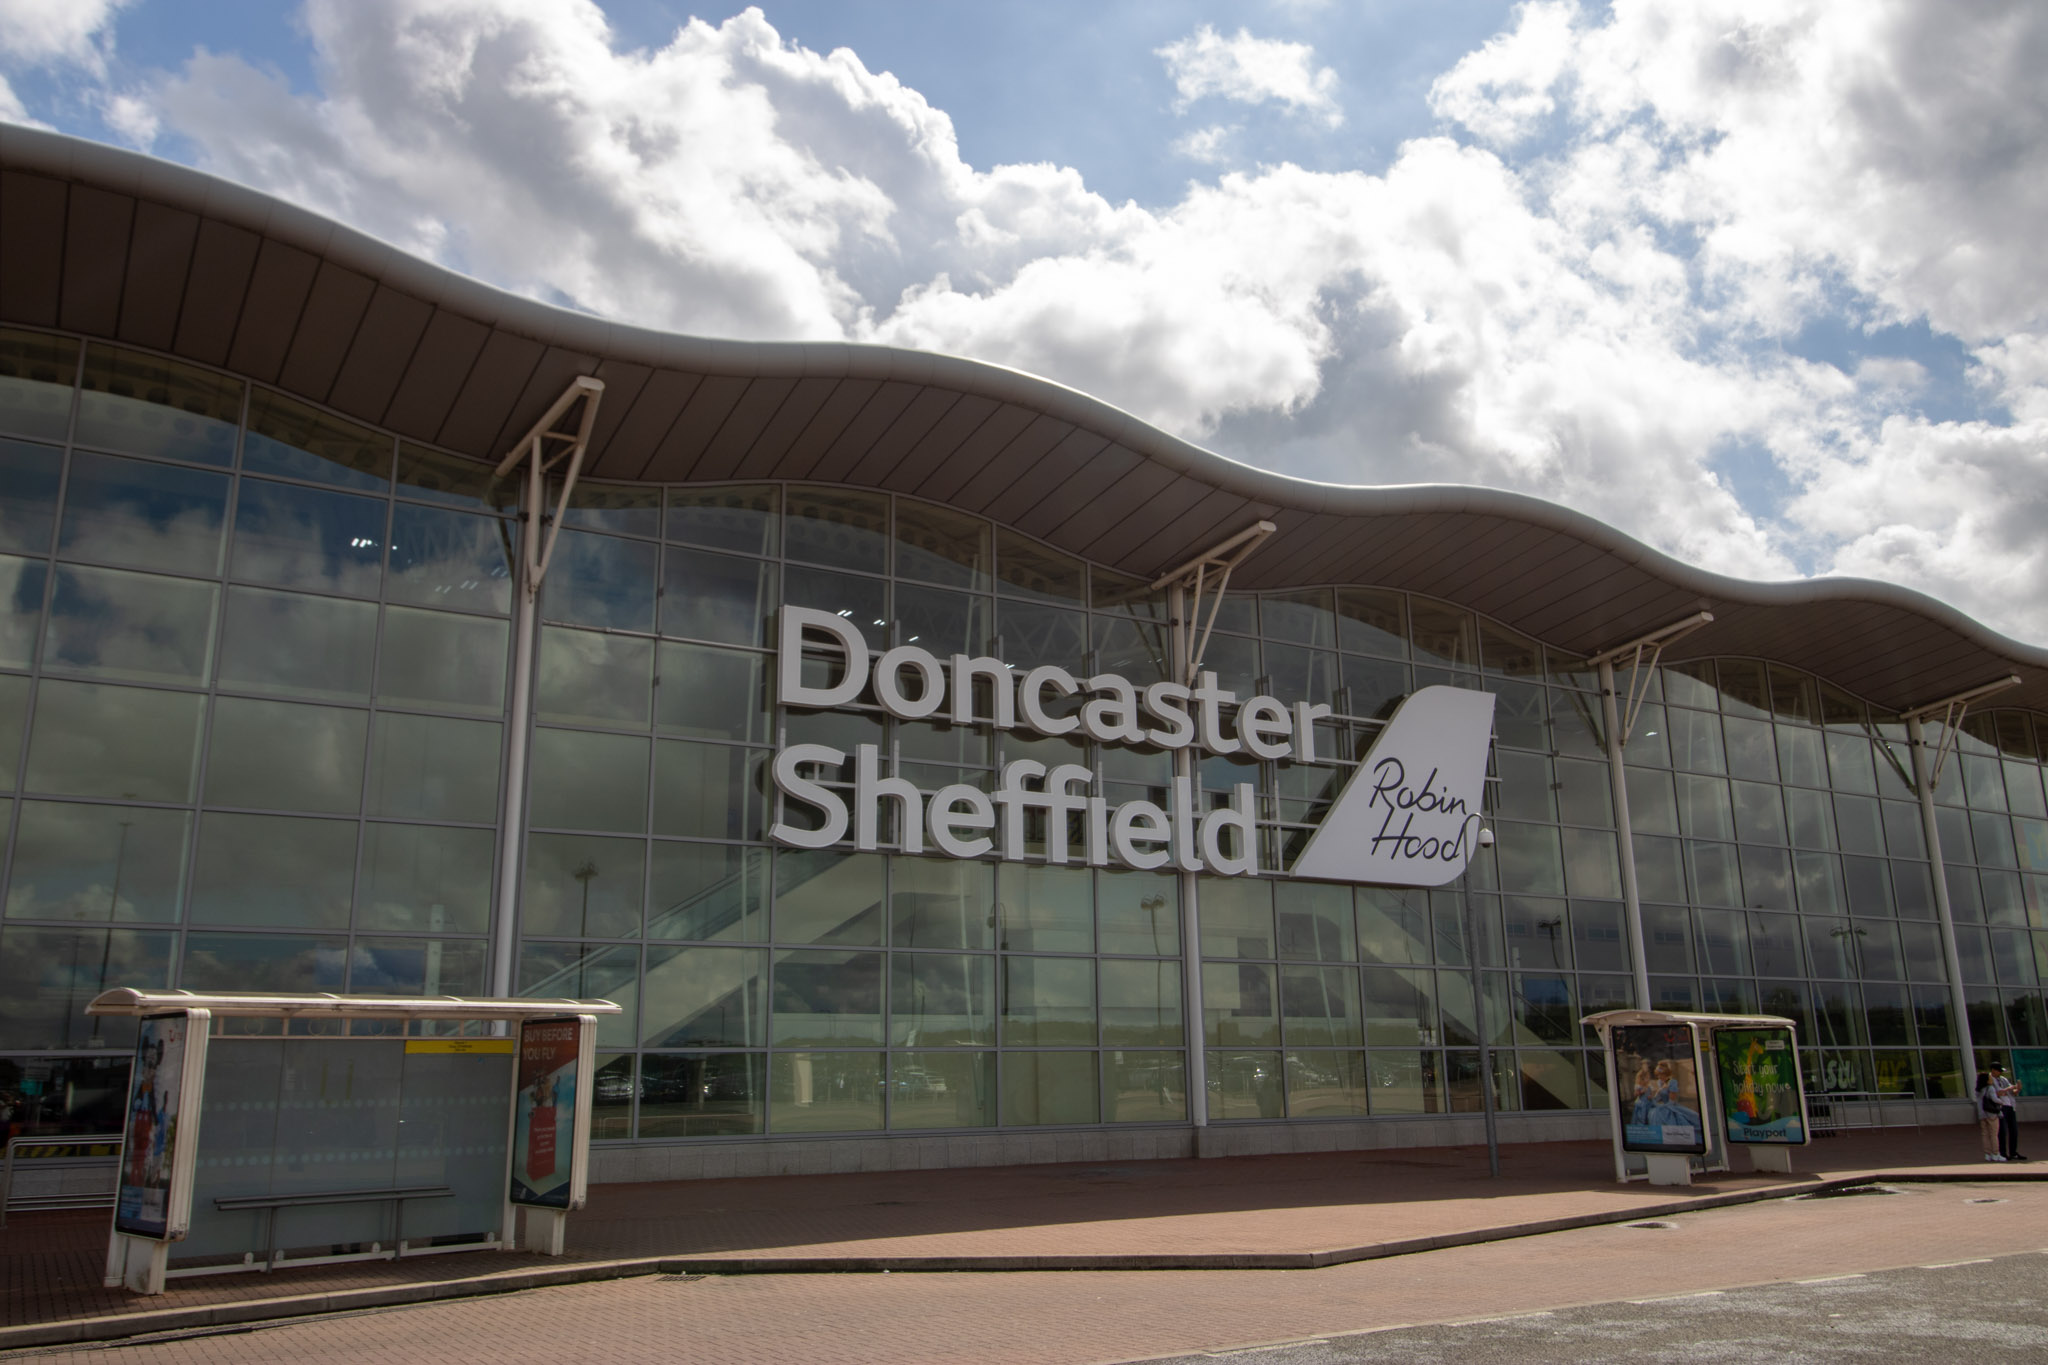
679 1279
1983 1201
1848 1191
1653 1223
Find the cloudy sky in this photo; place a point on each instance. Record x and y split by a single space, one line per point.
1757 281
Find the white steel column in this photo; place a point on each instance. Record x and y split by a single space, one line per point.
1617 777
538 532
1924 776
1190 914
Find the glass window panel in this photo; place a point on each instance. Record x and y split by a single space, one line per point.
1703 808
598 580
1799 756
1793 696
431 476
1543 1009
1859 822
595 679
2003 901
711 892
143 515
2031 844
79 862
709 791
418 877
1953 827
93 740
1525 791
1819 879
1504 652
1245 1085
280 755
270 870
1650 741
1743 689
864 602
1849 761
1372 621
146 406
822 896
1529 858
1759 813
1599 941
1810 817
1585 794
1903 832
1239 1004
1393 925
705 997
742 517
1521 713
1984 781
1751 750
940 545
1407 1082
1320 1006
29 476
702 1094
941 903
1298 674
450 559
1236 917
22 582
1575 724
417 966
1046 909
1724 942
1667 939
1144 1087
314 539
1592 863
1992 835
1398 1007
1714 875
1535 931
1774 942
1043 1088
134 627
711 693
431 768
2023 788
1032 635
827 999
1692 684
583 780
37 373
1141 1003
717 597
1138 912
1325 1084
577 971
49 976
1652 808
623 509
1025 568
442 660
943 1000
314 647
582 886
301 442
942 1090
839 527
2012 954
13 721
1696 741
1315 922
1373 688
1552 1080
946 623
1443 634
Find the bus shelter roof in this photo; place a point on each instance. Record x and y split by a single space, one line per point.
126 1000
1608 1019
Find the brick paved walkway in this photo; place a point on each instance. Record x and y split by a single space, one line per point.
1226 1212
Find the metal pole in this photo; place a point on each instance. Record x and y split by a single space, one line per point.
1624 833
1959 1006
1190 918
1484 839
505 940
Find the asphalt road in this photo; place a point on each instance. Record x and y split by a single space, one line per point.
1989 1310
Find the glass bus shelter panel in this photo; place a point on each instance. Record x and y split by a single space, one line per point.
238 1134
452 1132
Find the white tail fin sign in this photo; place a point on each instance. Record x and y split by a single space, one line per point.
1409 814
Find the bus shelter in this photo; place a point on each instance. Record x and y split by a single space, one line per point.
1701 1092
277 1130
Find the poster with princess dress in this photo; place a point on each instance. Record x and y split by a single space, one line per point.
1760 1085
142 1200
544 1112
1657 1088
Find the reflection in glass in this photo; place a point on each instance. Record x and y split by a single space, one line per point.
942 1090
80 862
595 679
22 582
941 903
147 516
48 976
597 580
419 877
271 870
826 897
1239 1004
827 999
1025 568
581 886
147 406
1245 1085
1137 912
708 892
942 1000
430 476
1048 1001
416 966
450 559
124 742
36 377
1144 1087
319 648
1044 1088
431 768
864 602
708 791
825 1092
1372 621
28 490
312 538
623 508
946 623
940 545
576 971
695 1094
301 442
709 693
280 755
705 997
841 527
134 627
738 517
717 597
279 964
1324 1084
1046 909
440 659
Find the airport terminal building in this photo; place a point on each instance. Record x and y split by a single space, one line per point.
279 712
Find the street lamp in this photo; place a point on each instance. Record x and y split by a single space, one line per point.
1484 839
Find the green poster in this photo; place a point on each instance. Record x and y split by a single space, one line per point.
1760 1085
2030 1069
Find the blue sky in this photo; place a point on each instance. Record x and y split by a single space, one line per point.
1755 281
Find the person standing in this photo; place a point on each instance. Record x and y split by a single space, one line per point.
1987 1116
2007 1092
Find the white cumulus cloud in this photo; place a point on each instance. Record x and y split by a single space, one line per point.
1248 70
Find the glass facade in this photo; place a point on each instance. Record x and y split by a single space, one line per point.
254 676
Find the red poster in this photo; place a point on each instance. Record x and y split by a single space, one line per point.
543 1125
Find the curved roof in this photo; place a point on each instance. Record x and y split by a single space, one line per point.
113 244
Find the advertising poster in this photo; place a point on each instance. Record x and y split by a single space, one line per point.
1657 1086
1760 1085
544 1112
142 1201
2030 1069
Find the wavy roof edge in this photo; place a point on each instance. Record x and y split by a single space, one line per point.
78 160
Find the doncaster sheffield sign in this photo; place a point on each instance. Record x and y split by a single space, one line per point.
1406 817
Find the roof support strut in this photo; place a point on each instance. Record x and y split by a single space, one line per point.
559 441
